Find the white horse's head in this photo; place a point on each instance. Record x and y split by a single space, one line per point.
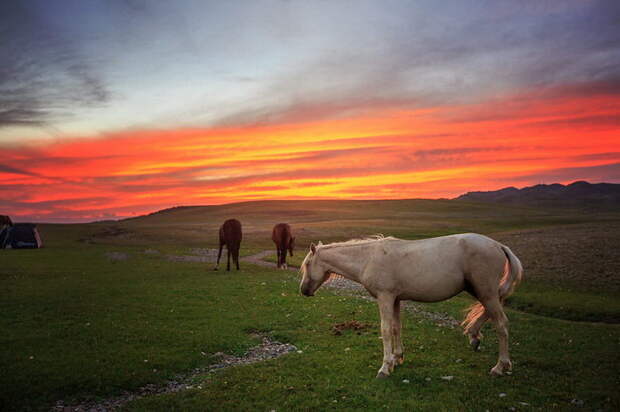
314 272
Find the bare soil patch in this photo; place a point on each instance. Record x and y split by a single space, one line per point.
197 255
583 255
354 325
116 256
257 259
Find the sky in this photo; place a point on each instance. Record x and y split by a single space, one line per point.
112 109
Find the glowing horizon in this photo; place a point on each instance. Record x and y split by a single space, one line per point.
388 154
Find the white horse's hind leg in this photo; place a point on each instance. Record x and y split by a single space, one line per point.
386 309
498 317
474 331
396 327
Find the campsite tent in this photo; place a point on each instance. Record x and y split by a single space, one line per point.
20 236
5 221
5 224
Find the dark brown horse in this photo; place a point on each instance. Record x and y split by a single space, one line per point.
282 237
230 235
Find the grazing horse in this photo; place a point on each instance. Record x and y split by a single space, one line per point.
282 237
427 270
230 235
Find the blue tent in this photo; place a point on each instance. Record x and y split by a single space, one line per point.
20 236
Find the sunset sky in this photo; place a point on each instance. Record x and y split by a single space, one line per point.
111 109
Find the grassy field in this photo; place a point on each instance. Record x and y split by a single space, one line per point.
102 309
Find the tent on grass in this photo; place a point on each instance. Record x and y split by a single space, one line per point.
20 236
5 223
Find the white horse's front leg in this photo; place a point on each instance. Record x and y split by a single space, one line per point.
396 326
386 309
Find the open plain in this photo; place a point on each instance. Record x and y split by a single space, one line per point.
110 314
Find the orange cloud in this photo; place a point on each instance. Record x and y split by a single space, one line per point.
437 152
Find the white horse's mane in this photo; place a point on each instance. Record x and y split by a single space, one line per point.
355 242
352 242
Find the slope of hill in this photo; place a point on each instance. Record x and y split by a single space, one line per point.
325 220
576 195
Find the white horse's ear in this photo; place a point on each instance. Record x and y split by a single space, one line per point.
320 243
312 248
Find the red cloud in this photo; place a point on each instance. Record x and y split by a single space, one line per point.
382 153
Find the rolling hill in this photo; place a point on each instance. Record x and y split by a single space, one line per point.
575 195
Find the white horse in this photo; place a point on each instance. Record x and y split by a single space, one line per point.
427 270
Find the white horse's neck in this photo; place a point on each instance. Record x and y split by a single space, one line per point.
347 260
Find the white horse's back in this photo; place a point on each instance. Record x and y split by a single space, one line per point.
430 270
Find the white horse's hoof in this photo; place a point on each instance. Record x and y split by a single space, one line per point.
382 375
495 371
498 370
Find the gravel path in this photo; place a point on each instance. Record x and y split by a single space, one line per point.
344 286
268 349
257 259
337 283
197 255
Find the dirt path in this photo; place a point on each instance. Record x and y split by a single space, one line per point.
257 259
337 283
268 349
344 286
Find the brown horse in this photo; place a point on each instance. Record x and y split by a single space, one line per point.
282 237
230 235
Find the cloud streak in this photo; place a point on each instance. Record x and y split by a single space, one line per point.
44 77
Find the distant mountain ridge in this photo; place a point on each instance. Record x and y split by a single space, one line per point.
579 194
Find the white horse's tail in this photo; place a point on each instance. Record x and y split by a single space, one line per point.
513 274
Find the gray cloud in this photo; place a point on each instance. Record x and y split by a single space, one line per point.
43 75
14 170
313 60
458 151
422 59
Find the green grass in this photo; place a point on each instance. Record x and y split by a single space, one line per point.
295 260
77 324
564 304
90 325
